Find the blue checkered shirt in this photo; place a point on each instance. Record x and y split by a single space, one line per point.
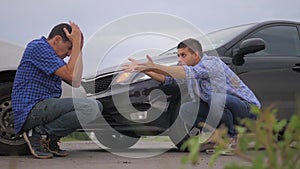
212 75
35 79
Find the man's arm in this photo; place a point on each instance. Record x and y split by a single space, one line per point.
72 72
148 68
156 76
177 72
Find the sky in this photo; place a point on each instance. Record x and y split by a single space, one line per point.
22 21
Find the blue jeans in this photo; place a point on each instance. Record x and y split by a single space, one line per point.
224 108
60 117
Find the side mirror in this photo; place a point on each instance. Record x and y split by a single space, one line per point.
247 46
250 46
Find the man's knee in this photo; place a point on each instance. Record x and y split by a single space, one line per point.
88 110
188 113
96 108
100 108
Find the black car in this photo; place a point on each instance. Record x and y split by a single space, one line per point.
266 56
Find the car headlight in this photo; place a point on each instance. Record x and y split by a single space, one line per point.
128 77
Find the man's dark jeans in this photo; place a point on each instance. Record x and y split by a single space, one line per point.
60 117
223 108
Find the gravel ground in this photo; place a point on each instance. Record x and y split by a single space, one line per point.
88 155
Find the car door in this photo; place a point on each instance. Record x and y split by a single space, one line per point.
273 73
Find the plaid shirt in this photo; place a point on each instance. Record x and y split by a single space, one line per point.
212 75
35 79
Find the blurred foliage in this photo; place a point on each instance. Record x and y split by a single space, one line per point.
280 149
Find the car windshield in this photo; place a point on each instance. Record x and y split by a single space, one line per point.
216 39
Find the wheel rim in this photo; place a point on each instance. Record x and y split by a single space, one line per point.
7 132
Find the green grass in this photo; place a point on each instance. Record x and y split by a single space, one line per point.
156 138
76 136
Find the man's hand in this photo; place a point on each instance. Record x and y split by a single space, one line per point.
130 67
75 36
72 71
146 66
139 67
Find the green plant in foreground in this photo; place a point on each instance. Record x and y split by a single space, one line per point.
263 133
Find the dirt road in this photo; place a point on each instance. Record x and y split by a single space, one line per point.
87 155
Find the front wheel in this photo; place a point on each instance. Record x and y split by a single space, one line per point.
115 140
10 143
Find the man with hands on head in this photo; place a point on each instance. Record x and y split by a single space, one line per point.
37 106
218 95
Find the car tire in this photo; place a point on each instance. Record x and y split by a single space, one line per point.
115 140
10 143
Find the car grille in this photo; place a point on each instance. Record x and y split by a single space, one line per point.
99 85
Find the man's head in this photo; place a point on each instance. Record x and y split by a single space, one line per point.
189 52
59 41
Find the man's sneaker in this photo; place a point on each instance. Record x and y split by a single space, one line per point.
33 140
53 147
229 151
233 143
205 147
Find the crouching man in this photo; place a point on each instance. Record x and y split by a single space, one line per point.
37 106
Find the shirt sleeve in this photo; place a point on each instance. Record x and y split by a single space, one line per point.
46 59
168 80
194 74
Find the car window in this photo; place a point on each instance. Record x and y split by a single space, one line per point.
280 41
213 40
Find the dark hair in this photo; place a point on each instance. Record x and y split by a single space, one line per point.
59 30
192 44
